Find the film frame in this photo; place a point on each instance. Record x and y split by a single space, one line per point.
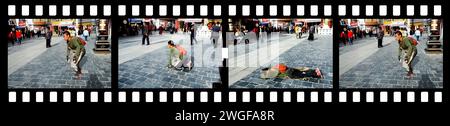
220 92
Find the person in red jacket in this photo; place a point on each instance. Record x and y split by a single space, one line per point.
350 37
19 37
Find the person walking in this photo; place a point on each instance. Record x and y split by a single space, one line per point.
85 34
350 36
11 37
193 34
19 37
417 34
48 37
311 33
145 34
380 35
215 33
344 36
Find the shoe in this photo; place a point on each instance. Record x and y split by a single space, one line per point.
409 76
78 76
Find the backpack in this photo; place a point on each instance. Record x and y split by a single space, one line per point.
82 42
413 41
181 50
281 67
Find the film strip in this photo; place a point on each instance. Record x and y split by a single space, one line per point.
232 97
221 93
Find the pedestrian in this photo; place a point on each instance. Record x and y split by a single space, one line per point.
75 52
412 32
311 33
11 37
145 34
39 33
350 37
380 35
31 34
85 34
48 37
19 37
193 30
80 31
215 33
409 46
298 34
344 36
256 31
417 34
89 32
34 33
161 29
269 32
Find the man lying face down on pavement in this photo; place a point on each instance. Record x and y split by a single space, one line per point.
284 72
178 58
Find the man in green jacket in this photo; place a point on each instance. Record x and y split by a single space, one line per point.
405 44
75 48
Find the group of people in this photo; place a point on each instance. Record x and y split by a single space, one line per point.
348 36
148 27
16 36
75 45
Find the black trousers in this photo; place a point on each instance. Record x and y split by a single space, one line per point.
143 40
47 44
193 39
380 42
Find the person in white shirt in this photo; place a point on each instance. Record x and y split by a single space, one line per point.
417 34
85 34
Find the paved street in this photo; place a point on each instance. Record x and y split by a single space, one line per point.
366 66
246 61
31 65
144 66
